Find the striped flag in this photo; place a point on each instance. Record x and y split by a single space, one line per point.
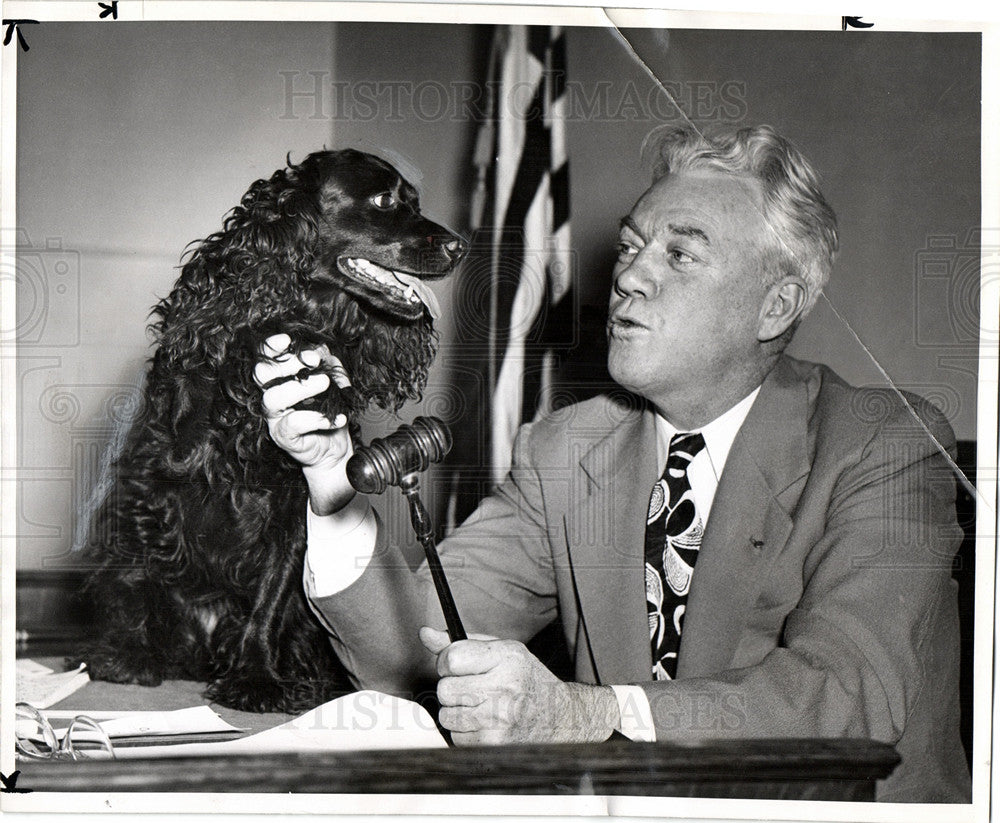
520 217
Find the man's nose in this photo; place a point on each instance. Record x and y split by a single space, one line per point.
635 279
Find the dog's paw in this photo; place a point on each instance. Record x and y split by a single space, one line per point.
345 400
252 691
133 666
330 403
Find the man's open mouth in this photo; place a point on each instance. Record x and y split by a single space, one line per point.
623 322
399 292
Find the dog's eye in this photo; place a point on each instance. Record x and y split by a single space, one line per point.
384 201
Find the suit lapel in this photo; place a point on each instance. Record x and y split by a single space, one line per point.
748 526
749 522
606 527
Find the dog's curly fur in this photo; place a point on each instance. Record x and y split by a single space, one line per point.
197 552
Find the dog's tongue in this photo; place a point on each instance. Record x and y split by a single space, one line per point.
427 297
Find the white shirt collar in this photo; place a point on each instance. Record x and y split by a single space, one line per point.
719 434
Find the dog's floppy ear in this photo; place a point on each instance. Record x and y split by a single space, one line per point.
255 267
191 322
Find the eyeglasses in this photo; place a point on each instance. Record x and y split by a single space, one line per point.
35 738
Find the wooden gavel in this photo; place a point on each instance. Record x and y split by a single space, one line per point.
396 460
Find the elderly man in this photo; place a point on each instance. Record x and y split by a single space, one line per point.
750 548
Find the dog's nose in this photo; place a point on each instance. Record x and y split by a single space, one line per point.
454 248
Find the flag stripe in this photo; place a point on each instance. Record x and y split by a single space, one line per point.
519 75
532 254
557 63
530 174
559 186
538 42
522 198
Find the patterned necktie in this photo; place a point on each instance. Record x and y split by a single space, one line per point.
673 537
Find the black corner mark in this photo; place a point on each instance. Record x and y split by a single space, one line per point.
10 781
854 23
109 8
14 24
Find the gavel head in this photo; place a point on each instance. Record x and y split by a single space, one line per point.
387 461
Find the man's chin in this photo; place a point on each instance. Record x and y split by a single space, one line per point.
624 371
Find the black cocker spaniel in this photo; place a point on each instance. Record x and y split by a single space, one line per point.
196 554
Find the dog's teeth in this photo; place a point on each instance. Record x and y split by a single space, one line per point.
400 285
418 288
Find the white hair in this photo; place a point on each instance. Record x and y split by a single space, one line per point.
803 224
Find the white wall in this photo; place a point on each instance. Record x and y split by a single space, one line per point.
133 140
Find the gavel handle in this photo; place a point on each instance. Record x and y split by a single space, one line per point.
425 534
455 629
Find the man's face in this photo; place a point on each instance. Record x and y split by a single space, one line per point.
687 287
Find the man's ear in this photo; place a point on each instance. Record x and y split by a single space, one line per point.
781 308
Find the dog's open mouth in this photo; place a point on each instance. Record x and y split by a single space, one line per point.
396 291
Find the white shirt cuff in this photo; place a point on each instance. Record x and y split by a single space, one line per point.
636 716
338 547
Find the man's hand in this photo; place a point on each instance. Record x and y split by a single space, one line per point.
495 691
322 446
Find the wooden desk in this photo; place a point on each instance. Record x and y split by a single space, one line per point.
774 769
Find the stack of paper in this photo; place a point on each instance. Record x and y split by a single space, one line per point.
128 729
42 687
363 720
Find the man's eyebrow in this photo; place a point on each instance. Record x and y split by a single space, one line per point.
683 230
690 231
628 223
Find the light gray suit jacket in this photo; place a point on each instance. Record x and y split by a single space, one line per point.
822 603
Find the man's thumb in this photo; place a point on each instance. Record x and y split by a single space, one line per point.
434 640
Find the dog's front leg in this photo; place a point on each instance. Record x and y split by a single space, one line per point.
253 681
138 634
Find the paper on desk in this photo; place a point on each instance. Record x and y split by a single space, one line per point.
42 687
196 720
363 720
